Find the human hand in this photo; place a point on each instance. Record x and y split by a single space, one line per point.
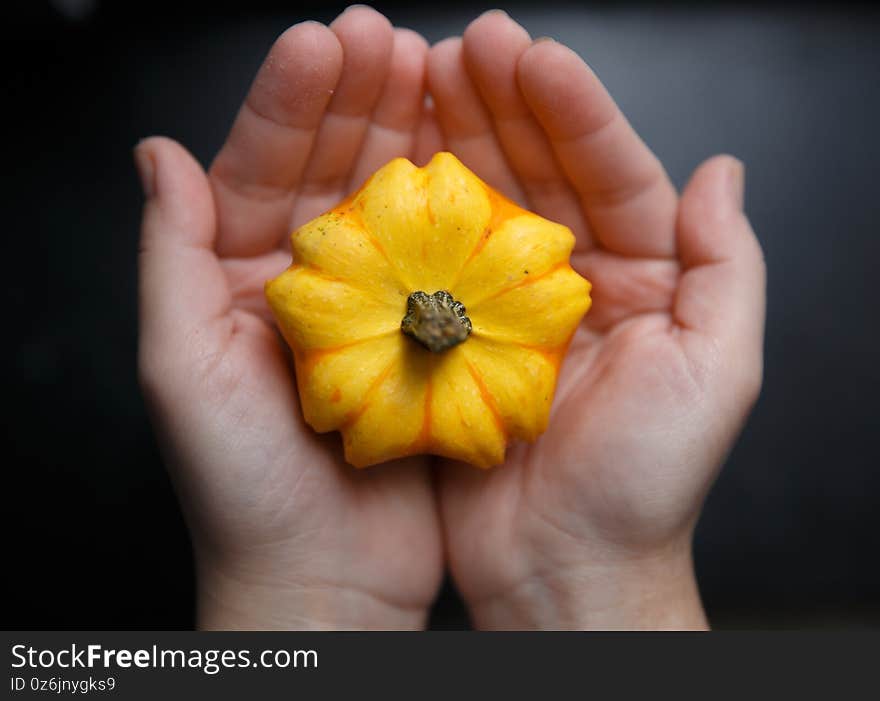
591 526
285 533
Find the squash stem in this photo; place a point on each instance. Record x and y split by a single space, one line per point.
436 321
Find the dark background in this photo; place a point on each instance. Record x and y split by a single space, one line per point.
790 535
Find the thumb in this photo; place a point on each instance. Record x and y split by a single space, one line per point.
722 291
182 285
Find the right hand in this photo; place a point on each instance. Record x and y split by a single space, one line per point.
591 526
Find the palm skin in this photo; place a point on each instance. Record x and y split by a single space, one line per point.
659 376
285 533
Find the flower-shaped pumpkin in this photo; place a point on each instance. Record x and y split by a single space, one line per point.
428 314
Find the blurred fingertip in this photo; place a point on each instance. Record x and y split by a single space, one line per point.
146 160
493 35
299 42
486 16
736 181
447 43
145 167
363 32
367 12
728 173
309 25
411 36
443 56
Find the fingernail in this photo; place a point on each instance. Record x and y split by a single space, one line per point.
540 40
736 182
146 170
355 6
496 11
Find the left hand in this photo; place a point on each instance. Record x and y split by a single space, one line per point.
285 533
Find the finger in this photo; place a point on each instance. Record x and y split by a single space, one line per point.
392 129
464 120
261 163
721 294
182 286
429 138
492 46
367 40
628 198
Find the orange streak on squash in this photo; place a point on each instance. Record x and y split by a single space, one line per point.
423 440
552 354
431 219
307 359
346 204
430 212
354 213
530 280
319 272
352 208
374 242
353 416
501 210
488 399
481 243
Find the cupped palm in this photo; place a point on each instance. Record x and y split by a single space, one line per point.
665 365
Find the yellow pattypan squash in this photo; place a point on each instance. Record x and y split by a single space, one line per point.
427 313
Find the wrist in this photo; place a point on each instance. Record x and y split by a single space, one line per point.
230 599
649 592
